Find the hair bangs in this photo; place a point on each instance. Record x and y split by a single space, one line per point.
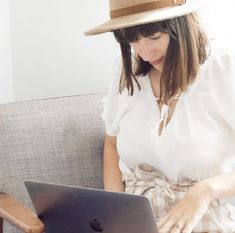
133 34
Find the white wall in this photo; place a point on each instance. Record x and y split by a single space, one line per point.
51 56
219 20
6 87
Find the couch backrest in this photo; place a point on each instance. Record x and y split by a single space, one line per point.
58 140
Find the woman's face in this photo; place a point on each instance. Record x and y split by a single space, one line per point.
153 49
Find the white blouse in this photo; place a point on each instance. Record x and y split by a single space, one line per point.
199 140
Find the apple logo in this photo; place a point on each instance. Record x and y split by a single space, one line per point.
96 226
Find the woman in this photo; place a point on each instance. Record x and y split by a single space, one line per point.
169 116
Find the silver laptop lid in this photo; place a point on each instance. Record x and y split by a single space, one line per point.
69 209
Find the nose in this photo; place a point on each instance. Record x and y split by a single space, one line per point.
145 49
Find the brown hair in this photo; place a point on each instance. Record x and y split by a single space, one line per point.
187 50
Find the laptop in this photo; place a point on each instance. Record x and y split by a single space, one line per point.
70 209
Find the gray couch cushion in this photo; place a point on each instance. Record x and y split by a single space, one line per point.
58 140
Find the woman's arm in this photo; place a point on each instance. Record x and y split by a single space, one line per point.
222 185
190 209
111 172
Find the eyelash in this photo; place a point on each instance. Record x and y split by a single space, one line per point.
155 38
151 38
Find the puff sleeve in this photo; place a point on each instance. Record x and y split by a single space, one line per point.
114 105
223 87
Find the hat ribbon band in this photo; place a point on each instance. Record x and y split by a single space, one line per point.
145 7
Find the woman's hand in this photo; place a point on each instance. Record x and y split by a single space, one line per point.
185 215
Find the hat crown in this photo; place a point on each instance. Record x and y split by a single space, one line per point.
119 4
120 8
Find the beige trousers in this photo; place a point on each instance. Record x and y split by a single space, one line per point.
163 194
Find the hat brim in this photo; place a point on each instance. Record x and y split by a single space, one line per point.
149 16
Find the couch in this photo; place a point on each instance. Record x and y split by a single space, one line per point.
58 140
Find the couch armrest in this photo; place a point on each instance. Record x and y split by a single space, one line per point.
19 215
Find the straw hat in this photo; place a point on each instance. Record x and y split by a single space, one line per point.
127 13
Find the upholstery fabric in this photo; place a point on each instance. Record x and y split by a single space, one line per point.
57 140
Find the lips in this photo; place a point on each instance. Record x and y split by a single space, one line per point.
156 62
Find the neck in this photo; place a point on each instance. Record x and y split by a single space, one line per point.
155 74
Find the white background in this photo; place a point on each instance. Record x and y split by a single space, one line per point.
6 86
43 52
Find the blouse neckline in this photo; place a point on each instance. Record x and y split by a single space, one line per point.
163 113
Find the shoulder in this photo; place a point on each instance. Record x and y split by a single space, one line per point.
220 62
218 75
218 72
